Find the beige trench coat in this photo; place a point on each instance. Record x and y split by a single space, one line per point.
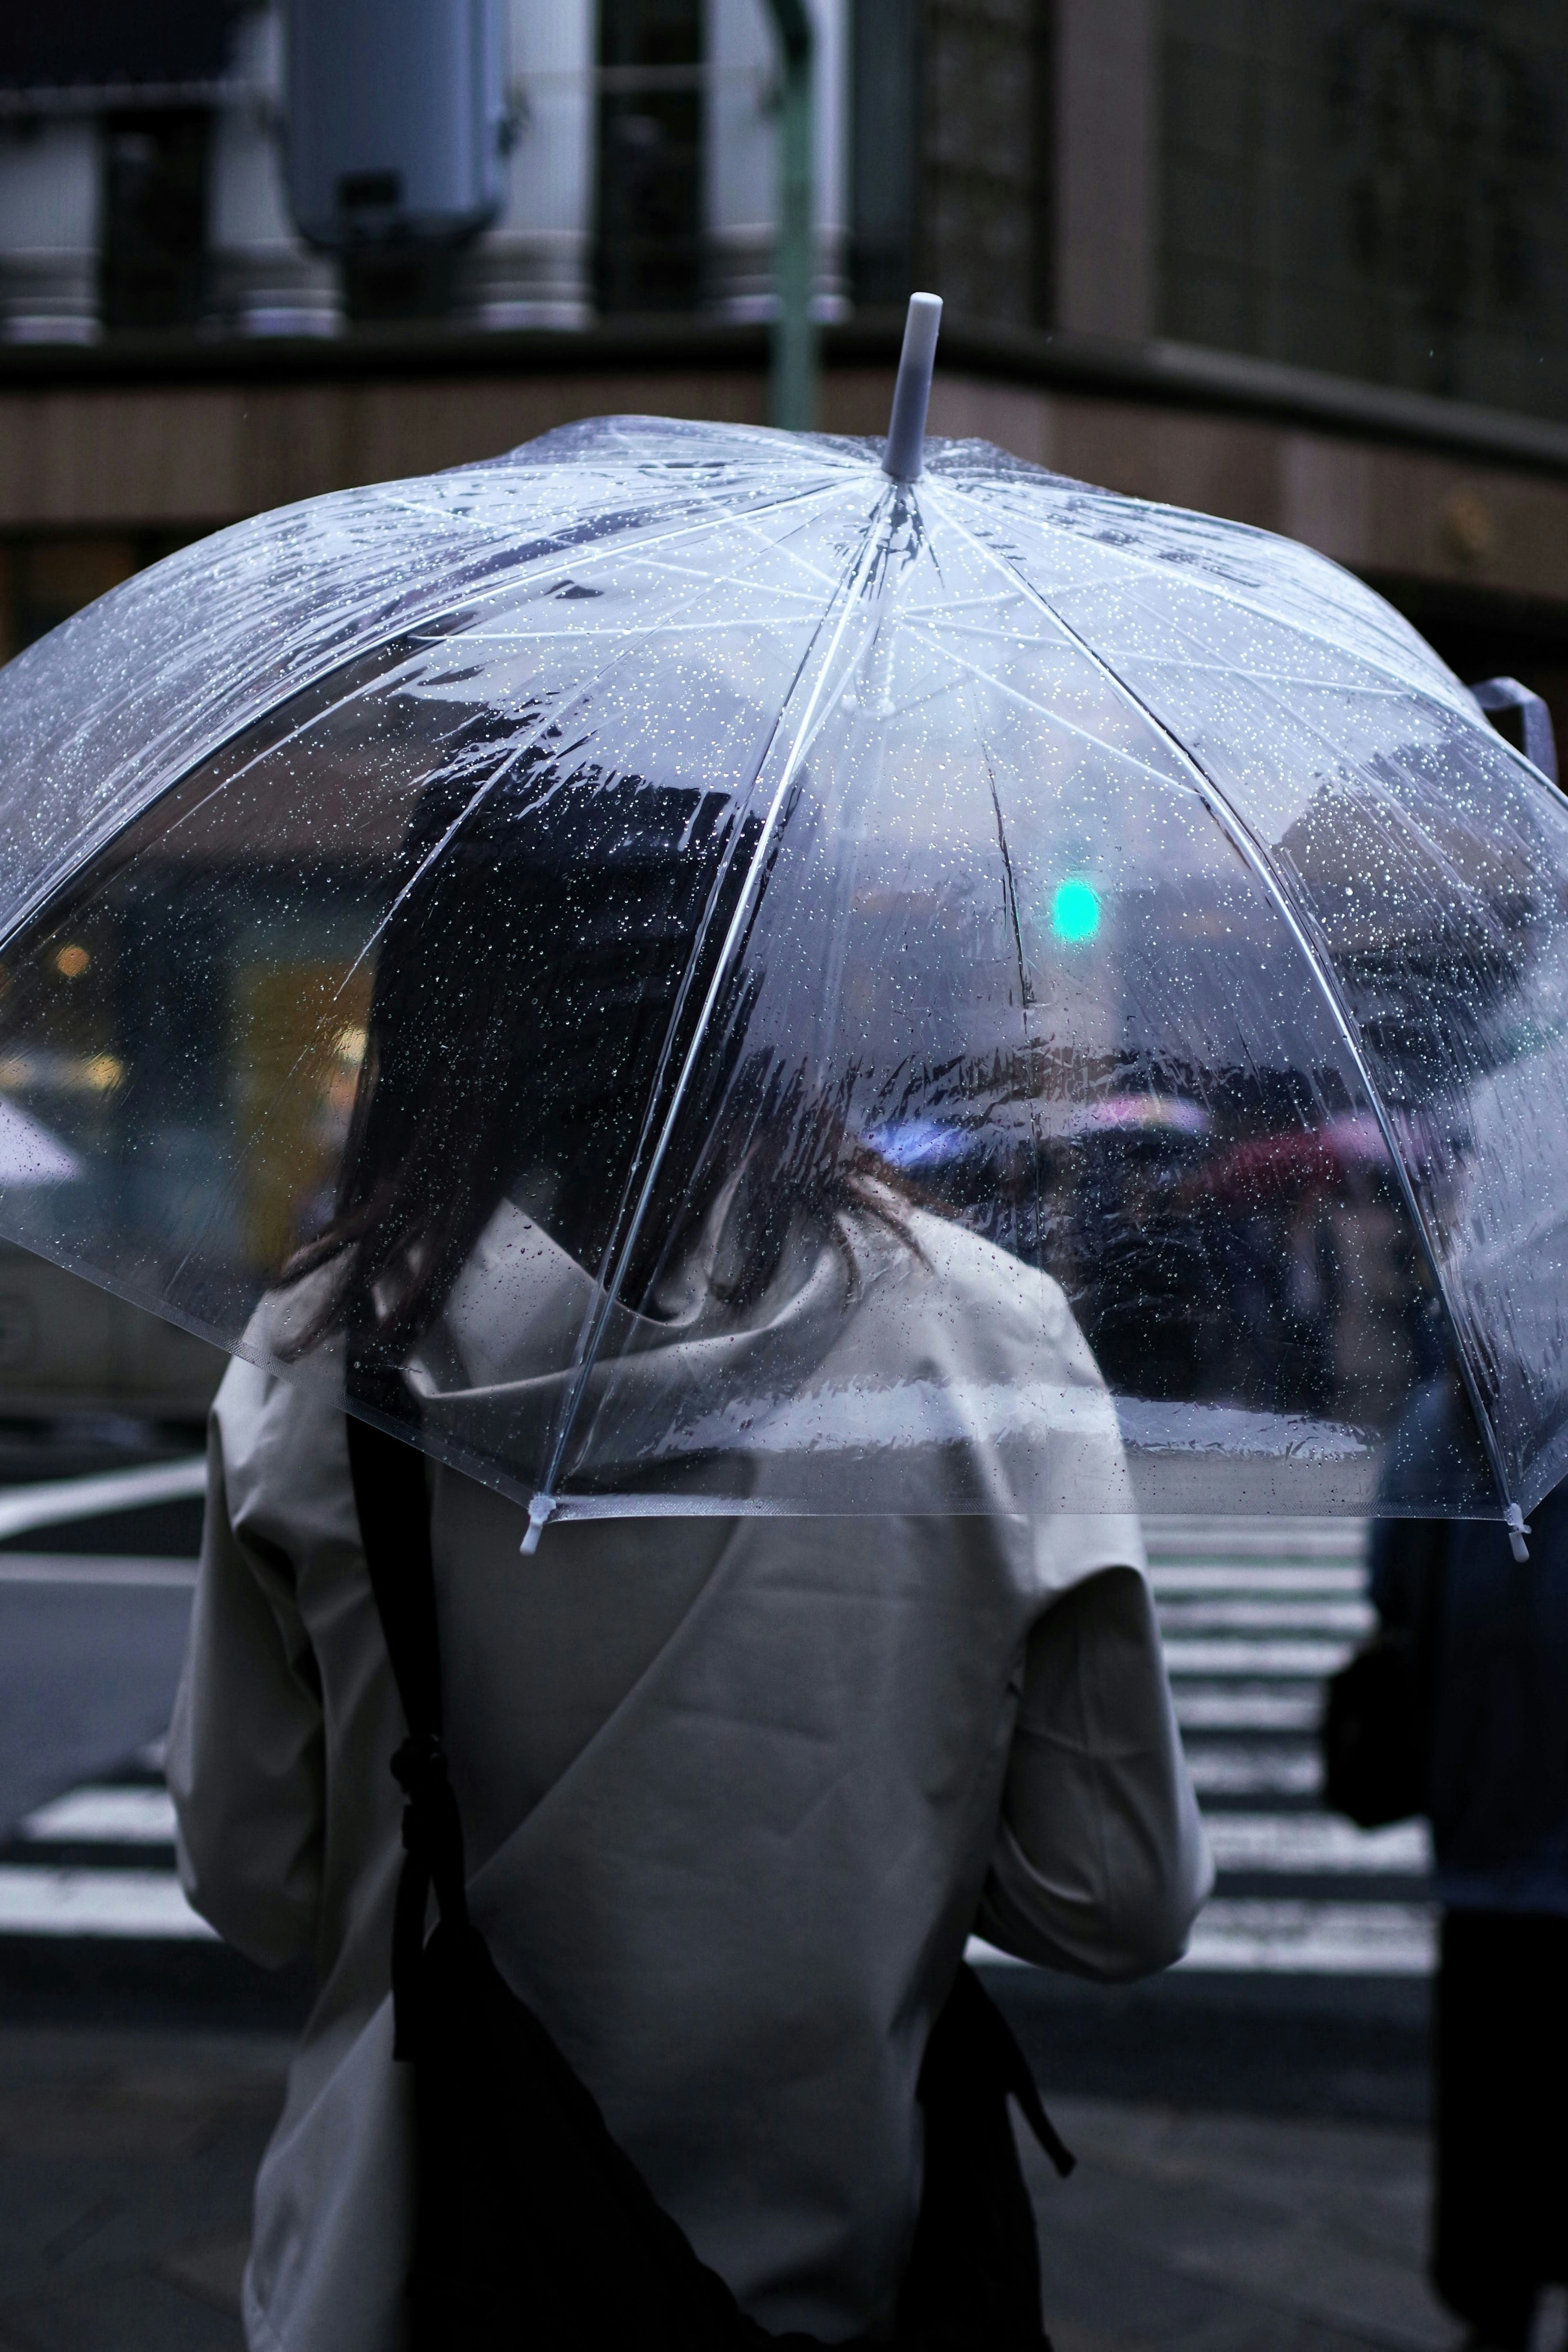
735 1793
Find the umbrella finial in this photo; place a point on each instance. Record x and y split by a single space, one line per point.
904 457
541 1510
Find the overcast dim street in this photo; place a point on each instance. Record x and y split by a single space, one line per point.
783 1239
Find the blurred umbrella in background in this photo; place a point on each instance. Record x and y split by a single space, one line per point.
724 980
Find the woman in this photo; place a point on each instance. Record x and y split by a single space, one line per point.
734 1791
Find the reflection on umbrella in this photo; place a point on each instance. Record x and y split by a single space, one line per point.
1264 1167
29 1154
844 982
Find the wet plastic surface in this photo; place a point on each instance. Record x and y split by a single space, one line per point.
745 985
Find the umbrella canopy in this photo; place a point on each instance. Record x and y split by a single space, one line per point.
695 975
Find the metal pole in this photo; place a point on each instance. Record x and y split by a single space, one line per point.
792 391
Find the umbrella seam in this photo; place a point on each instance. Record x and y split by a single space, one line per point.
1231 592
99 836
1302 926
598 1317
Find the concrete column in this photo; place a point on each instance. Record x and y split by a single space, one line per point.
534 269
1107 121
49 197
742 175
264 280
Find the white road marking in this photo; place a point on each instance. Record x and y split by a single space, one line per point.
1382 1939
56 1501
90 1816
1241 1602
94 1568
1256 1542
1259 1615
1201 1707
1288 1658
1338 1583
1235 1768
138 1904
1306 1843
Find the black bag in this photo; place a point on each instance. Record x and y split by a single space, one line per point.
1375 1735
531 2224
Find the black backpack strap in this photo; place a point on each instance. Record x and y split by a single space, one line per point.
528 2208
972 2284
394 1526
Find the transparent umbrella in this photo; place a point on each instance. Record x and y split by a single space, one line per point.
693 969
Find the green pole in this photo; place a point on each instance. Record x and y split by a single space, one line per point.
792 391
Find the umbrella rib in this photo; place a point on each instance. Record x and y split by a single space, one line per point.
1319 966
1220 670
618 1254
1010 888
510 761
1067 726
585 633
1421 833
338 657
1228 593
1361 687
597 550
1184 630
606 669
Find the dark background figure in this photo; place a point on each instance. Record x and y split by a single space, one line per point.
1493 1636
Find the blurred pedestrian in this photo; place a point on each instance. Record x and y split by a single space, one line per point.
1489 1641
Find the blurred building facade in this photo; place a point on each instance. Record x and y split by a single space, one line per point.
1303 262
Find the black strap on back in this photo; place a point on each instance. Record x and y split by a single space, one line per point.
528 2208
395 1524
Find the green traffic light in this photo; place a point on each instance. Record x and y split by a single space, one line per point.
1076 911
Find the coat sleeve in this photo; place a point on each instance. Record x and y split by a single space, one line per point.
1101 1865
246 1755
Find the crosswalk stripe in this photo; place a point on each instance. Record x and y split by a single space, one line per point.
93 1816
1267 1616
142 1904
1314 1939
1254 1614
1307 1661
1213 1707
1240 1768
1234 1936
1240 1575
1298 1843
55 1502
95 1568
1255 1542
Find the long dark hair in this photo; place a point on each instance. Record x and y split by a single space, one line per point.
537 980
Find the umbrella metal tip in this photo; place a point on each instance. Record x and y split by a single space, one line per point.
904 457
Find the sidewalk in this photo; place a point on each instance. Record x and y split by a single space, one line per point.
126 2159
1195 2232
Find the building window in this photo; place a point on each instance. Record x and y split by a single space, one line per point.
1378 188
985 158
952 154
651 129
154 243
884 100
